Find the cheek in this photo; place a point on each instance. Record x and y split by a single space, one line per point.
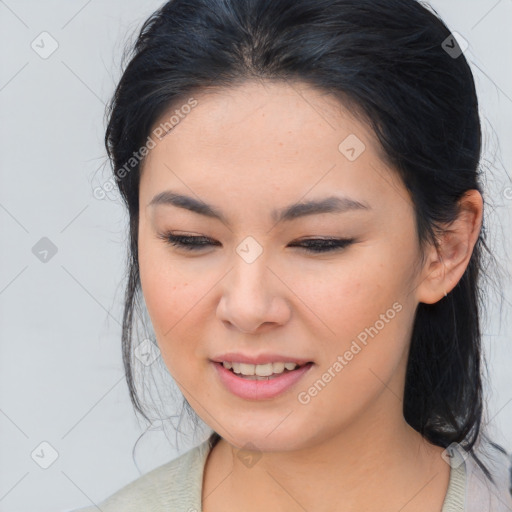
170 296
344 298
363 328
170 303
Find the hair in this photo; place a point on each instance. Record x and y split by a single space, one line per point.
388 63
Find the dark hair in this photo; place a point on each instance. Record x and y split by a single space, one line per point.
392 64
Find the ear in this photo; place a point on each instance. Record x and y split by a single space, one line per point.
444 265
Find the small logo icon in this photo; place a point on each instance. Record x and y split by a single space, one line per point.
352 147
249 249
454 455
44 455
249 455
455 45
147 352
44 45
44 250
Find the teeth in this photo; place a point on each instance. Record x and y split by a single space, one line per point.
245 369
261 370
279 367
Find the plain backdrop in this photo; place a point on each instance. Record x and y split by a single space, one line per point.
63 399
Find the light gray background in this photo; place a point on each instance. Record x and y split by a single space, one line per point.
61 376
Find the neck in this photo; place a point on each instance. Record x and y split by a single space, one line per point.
377 459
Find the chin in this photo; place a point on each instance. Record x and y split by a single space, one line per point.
253 437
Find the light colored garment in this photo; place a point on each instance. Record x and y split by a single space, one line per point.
177 486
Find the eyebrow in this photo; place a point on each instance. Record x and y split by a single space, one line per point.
332 204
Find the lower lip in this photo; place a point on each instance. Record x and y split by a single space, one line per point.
259 389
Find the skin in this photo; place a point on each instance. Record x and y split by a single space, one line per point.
247 150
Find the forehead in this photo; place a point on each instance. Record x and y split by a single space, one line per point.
272 112
265 138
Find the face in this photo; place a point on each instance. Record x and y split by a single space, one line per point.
265 281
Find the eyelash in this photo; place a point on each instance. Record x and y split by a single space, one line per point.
316 245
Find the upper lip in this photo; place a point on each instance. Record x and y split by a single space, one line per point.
259 359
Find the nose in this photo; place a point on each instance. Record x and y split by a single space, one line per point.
253 298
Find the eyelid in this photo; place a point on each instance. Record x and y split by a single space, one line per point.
317 245
171 237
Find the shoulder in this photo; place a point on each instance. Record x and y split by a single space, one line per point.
482 495
175 485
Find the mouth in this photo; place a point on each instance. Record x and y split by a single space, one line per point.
261 372
260 387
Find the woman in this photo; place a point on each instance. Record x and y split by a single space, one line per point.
306 228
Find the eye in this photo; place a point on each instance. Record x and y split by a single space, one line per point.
188 242
313 245
323 244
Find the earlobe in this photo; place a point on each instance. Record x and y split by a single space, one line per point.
448 261
432 280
